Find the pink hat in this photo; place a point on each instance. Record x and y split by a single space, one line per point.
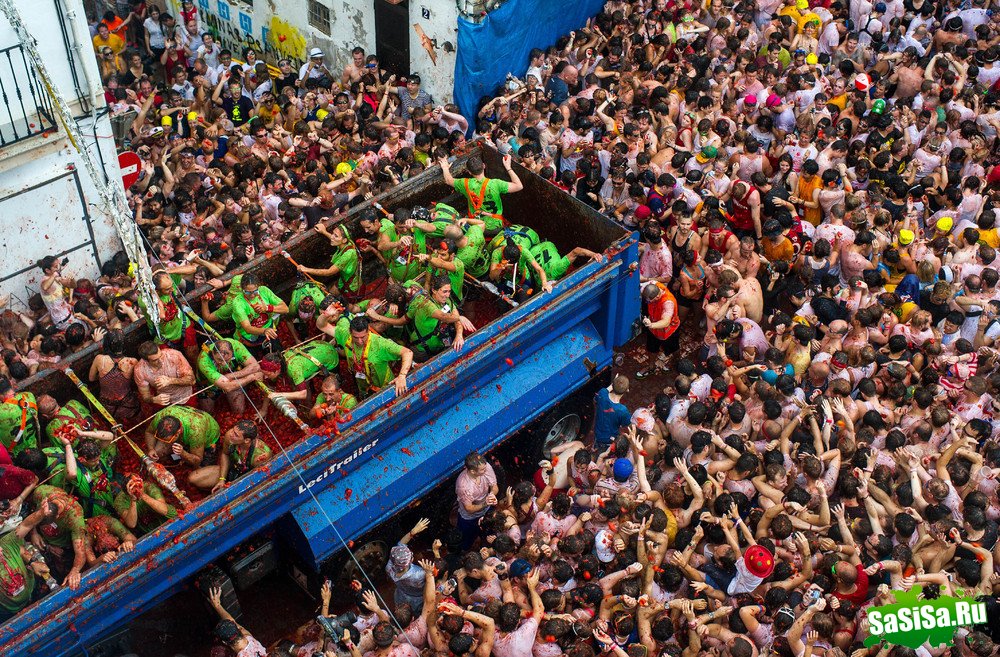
773 100
750 99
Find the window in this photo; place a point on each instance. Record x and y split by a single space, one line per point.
319 17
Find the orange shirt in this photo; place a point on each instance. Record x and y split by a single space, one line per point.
805 192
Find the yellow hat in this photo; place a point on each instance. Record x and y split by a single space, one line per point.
192 117
343 169
802 4
166 121
944 224
812 59
905 236
321 114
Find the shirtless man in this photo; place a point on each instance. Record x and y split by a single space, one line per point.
908 75
354 68
745 260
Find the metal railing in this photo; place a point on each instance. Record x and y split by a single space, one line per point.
27 108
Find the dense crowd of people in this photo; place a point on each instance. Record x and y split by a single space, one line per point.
816 185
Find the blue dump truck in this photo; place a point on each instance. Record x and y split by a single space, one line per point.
530 368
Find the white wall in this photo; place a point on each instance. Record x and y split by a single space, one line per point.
46 195
352 25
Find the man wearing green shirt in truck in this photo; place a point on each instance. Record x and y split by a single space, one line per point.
142 506
435 323
442 261
241 451
18 418
483 194
91 478
176 329
225 311
332 399
554 265
512 268
227 365
471 242
20 566
255 313
60 533
345 262
370 357
301 319
182 435
71 414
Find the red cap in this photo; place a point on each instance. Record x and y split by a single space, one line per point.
759 560
643 212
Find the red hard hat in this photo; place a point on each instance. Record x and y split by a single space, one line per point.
759 560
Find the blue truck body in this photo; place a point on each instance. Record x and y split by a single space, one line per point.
324 492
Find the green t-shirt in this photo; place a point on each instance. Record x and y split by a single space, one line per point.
456 277
210 371
372 363
487 202
346 260
69 526
524 237
55 466
200 428
243 311
299 361
301 291
20 406
172 320
347 400
547 256
14 596
473 254
225 311
148 519
524 268
95 488
427 333
72 412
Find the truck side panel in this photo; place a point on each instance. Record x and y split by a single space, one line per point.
478 422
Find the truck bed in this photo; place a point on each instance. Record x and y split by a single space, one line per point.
326 491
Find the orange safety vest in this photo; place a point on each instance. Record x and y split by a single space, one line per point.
658 307
477 201
25 406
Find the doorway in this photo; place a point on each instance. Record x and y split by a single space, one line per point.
392 35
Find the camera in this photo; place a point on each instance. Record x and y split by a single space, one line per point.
334 626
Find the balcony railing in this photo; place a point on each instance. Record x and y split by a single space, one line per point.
27 108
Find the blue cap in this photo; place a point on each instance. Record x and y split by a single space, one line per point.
879 7
519 568
623 469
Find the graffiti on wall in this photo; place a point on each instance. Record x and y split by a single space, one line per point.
234 30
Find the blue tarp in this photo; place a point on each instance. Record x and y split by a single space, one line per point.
499 45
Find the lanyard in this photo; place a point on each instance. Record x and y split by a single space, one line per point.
363 364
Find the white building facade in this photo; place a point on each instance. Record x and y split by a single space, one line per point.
290 28
49 205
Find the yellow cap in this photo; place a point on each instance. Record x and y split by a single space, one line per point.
343 169
321 114
905 236
192 116
812 59
802 4
166 121
944 224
